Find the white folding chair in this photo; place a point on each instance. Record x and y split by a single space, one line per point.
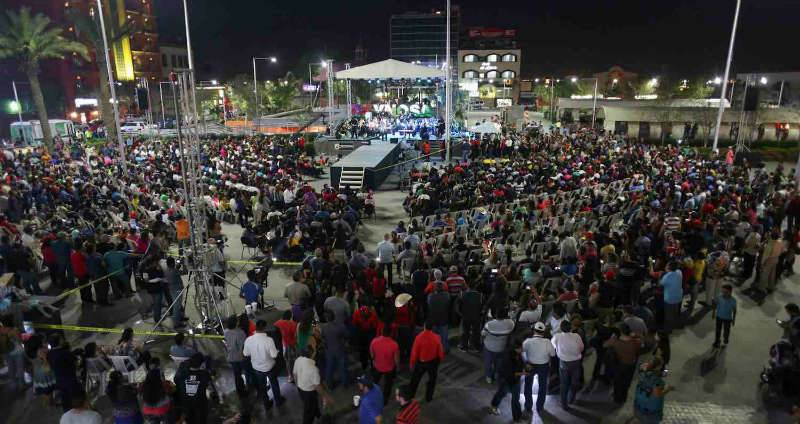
126 365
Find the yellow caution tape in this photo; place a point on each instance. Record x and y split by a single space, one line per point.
83 286
119 331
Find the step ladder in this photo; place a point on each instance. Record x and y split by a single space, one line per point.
353 177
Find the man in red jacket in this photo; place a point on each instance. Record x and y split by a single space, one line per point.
81 272
426 354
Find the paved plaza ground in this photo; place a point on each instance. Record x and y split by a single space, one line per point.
728 394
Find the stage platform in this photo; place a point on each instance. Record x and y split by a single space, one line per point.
365 166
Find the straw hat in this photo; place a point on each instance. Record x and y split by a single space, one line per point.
400 300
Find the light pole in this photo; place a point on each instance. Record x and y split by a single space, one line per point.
114 105
448 93
594 97
726 76
271 59
19 105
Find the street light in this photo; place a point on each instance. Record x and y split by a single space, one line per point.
727 76
594 98
717 80
271 59
574 80
763 80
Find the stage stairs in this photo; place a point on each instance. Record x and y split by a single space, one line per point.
353 177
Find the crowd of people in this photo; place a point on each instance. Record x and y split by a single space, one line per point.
385 124
536 250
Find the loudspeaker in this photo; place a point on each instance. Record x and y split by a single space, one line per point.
751 99
141 99
753 158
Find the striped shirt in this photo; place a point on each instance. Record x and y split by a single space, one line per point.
409 414
672 223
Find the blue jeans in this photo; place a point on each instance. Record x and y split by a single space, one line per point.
333 362
261 386
238 368
542 372
177 309
442 331
491 362
158 298
503 387
568 380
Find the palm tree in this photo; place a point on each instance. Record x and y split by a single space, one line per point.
30 39
88 30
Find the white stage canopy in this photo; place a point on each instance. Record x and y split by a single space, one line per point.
389 69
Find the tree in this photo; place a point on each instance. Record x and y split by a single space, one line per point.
280 93
30 39
240 94
87 28
695 89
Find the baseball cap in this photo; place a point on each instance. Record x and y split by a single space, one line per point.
539 327
365 380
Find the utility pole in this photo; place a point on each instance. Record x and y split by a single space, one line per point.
448 94
121 143
726 76
19 105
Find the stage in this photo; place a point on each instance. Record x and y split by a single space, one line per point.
367 166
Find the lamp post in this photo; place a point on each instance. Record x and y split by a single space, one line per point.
271 59
19 105
594 97
112 86
448 93
726 76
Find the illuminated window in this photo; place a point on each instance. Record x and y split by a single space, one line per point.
470 58
509 58
509 74
492 58
491 74
470 74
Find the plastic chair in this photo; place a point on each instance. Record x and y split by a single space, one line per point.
126 365
96 375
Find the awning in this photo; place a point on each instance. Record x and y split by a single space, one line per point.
389 69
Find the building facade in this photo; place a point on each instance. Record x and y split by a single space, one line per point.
174 57
421 37
75 82
489 66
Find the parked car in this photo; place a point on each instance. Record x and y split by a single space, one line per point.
133 127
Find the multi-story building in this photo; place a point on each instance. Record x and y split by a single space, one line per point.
174 57
422 37
76 82
489 66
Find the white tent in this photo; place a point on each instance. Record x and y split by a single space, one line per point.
389 69
486 128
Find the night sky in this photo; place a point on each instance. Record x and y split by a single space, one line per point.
562 37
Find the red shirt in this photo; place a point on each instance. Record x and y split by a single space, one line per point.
431 287
384 350
288 330
78 264
365 319
427 347
404 316
378 288
408 414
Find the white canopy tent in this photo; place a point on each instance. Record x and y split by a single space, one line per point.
486 128
389 69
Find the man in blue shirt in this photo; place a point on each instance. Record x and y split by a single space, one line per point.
370 407
672 281
725 314
251 290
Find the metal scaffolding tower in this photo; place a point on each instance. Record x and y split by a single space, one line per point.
197 259
331 100
349 94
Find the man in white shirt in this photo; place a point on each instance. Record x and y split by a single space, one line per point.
306 376
536 352
288 196
569 349
80 414
385 257
261 350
